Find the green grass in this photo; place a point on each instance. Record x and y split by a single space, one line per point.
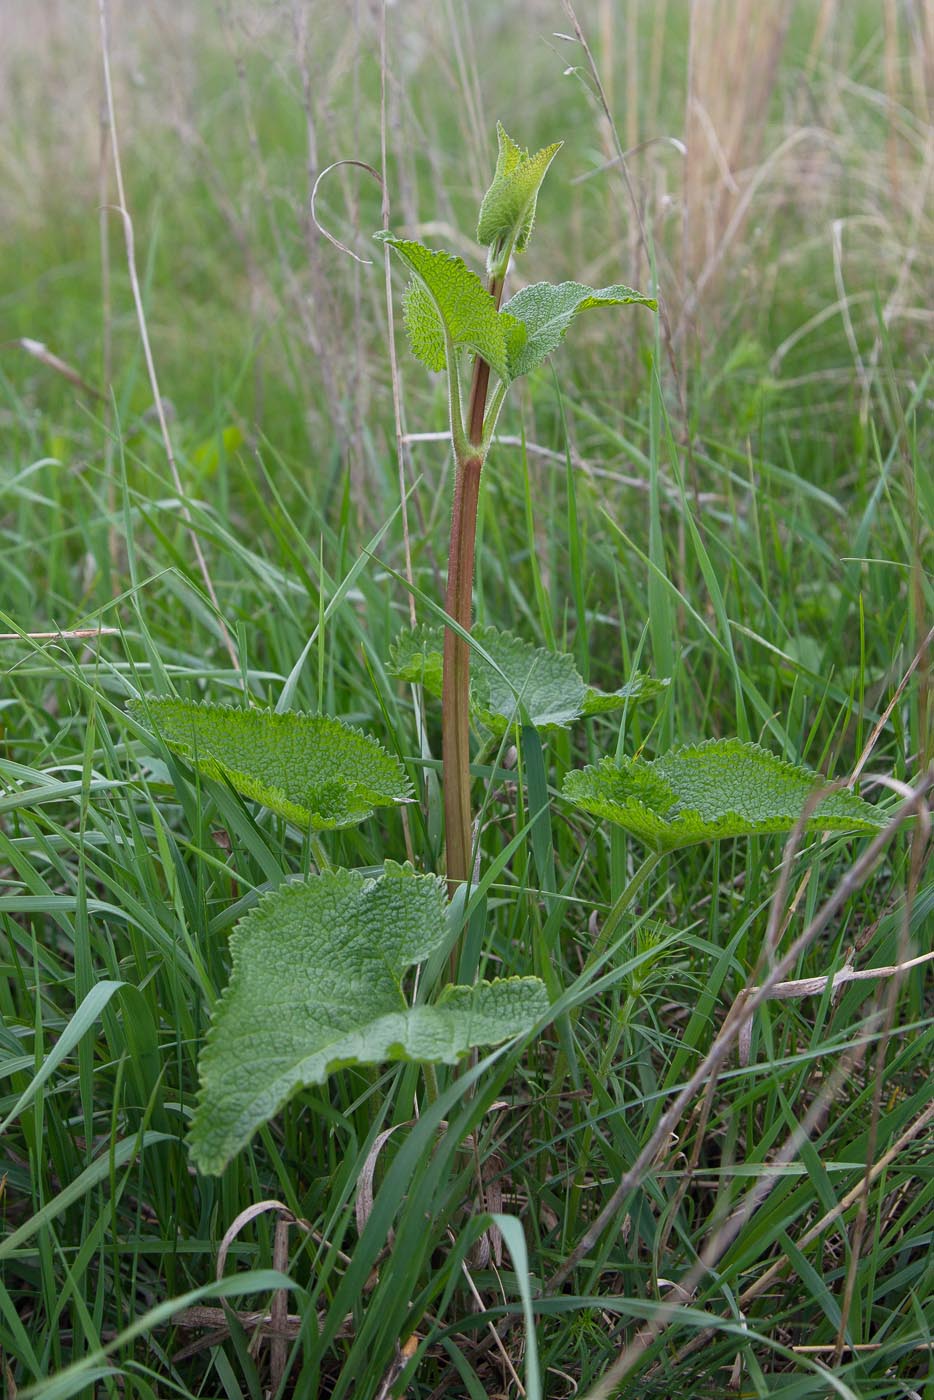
767 545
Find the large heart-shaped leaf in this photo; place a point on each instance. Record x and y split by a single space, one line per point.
524 682
709 791
448 302
317 772
547 310
317 985
507 213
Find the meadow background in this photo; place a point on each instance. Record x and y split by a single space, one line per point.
739 496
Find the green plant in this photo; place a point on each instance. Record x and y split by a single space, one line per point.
320 774
317 985
458 326
814 506
319 965
513 683
701 793
317 772
711 791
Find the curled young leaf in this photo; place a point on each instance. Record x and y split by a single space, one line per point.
507 212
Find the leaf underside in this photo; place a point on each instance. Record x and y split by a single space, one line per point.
547 310
446 302
543 688
316 985
710 791
317 772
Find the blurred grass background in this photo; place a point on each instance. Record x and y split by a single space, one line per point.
780 156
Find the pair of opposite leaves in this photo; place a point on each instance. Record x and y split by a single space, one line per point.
318 965
447 307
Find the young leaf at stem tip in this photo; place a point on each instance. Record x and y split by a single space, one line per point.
507 212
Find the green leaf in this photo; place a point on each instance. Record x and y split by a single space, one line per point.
546 310
709 791
424 329
546 685
317 772
507 212
448 301
417 655
316 985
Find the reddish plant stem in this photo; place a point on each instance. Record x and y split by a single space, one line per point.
477 403
455 715
455 710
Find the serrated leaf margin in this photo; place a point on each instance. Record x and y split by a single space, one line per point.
249 787
666 834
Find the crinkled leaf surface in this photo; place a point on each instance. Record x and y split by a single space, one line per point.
317 772
709 791
447 296
640 688
546 684
547 309
417 655
507 212
423 327
317 985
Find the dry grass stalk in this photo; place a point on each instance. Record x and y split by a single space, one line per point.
725 122
44 355
734 1022
158 401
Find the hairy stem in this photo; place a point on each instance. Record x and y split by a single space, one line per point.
455 715
431 1082
476 405
455 712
